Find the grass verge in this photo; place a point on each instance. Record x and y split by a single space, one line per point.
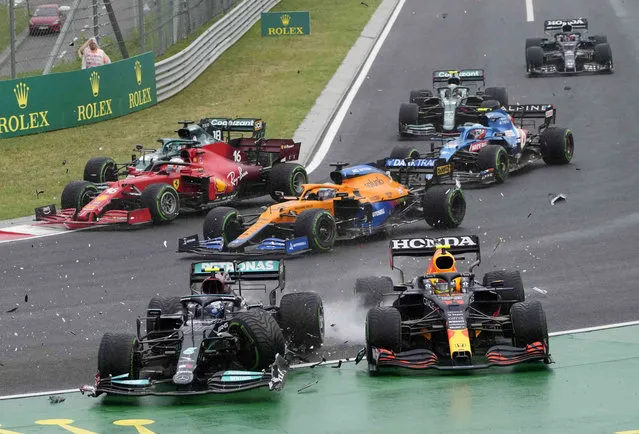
22 20
276 78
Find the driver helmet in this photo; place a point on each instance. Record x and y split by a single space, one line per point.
572 37
325 193
477 134
441 262
214 310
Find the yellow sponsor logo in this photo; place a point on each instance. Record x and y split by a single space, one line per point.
21 92
176 183
94 79
220 185
282 31
140 97
94 110
138 72
285 19
443 170
23 122
458 341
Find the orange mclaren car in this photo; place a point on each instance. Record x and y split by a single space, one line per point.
361 201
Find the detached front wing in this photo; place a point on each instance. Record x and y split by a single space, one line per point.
498 355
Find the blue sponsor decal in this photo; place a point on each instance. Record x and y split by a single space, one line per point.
362 169
419 162
381 212
296 245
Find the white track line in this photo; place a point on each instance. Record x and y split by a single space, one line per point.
351 359
341 113
530 13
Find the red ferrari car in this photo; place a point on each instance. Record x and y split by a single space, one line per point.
46 18
183 174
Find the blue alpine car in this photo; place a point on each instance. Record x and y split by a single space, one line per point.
503 139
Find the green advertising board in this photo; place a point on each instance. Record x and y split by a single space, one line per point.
64 100
286 23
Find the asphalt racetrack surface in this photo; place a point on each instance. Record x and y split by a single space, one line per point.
578 257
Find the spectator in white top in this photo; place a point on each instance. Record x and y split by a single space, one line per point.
94 56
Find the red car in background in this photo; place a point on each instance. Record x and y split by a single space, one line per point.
192 172
47 18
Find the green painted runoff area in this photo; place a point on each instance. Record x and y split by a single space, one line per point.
593 387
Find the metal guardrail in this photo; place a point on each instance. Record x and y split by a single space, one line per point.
175 73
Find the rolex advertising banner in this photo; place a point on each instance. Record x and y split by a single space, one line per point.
69 99
286 23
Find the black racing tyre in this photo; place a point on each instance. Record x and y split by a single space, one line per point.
318 225
491 104
260 339
287 178
511 279
77 194
602 54
408 114
417 96
498 94
402 152
167 306
224 222
529 323
384 329
100 170
599 39
557 145
444 206
302 319
534 42
162 201
534 57
116 355
370 290
494 157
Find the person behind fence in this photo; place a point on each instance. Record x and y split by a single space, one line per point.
93 56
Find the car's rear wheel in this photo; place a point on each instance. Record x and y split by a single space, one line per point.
289 178
444 206
77 194
557 145
162 201
302 319
167 306
408 115
100 170
370 290
498 94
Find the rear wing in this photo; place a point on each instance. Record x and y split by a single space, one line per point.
545 112
245 270
218 126
456 245
437 170
464 75
566 24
